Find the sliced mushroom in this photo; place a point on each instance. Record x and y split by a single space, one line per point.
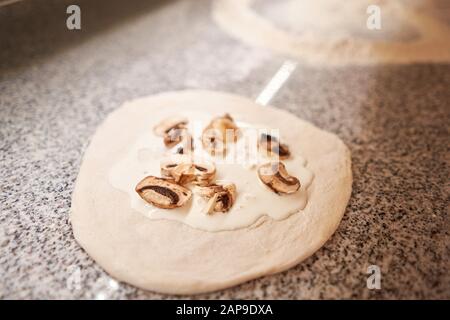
163 193
178 136
272 146
275 176
219 132
166 169
167 124
210 206
199 173
205 173
174 132
182 173
221 197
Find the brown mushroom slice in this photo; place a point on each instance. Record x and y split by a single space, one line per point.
174 132
166 169
167 124
170 161
209 191
177 136
180 172
272 146
200 174
183 173
219 132
205 173
163 193
221 197
275 176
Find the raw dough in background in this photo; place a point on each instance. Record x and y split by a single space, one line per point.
330 32
171 257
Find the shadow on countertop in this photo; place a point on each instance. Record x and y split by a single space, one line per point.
33 30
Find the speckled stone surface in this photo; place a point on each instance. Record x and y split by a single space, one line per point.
56 87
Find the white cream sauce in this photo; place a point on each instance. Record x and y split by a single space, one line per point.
254 200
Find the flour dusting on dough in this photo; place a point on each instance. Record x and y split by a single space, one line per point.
326 32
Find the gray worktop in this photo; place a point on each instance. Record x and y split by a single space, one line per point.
56 87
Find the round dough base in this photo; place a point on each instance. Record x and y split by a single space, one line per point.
240 20
170 257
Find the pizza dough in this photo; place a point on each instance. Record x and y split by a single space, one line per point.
326 32
170 256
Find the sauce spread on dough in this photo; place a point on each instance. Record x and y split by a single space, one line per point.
239 166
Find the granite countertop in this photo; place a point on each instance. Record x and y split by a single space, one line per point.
56 87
